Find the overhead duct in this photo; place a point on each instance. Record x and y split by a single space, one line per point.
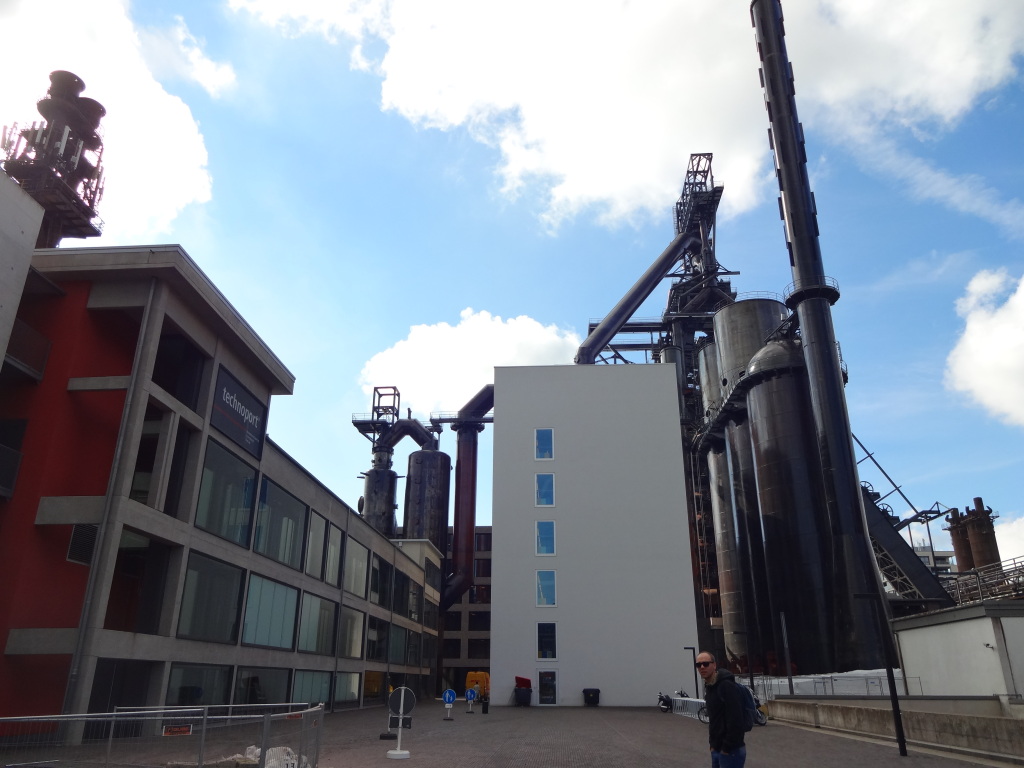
630 303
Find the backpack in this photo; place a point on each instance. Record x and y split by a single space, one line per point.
749 707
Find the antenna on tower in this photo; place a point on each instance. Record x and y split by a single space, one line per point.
58 161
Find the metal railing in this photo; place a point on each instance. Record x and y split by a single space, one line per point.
1005 579
838 685
261 736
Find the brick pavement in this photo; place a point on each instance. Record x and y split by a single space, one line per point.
592 737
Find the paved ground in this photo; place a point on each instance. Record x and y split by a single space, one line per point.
592 737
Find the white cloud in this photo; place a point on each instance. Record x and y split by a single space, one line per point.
602 102
440 367
1010 537
176 52
154 154
987 363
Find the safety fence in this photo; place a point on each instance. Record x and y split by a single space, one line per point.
998 580
251 736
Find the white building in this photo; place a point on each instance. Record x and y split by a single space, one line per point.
592 584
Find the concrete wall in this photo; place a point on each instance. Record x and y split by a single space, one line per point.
974 650
625 608
1001 737
19 227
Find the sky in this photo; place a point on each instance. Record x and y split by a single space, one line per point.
410 192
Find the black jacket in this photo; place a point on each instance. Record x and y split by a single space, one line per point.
724 701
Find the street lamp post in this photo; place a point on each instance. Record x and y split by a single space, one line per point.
897 718
693 651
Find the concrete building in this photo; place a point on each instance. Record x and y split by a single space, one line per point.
467 624
941 562
158 547
592 586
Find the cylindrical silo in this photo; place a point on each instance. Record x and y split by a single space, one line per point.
797 538
427 488
739 331
730 591
378 503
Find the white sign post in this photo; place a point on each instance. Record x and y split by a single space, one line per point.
401 703
448 697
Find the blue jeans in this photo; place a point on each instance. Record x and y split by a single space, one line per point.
734 759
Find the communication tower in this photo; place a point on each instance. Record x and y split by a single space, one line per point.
58 161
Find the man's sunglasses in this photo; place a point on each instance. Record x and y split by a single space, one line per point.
703 663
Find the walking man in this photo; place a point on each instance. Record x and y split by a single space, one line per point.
724 702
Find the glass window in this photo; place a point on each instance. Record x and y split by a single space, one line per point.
412 651
482 568
259 685
357 558
479 621
198 685
226 495
480 593
381 573
545 587
545 490
346 689
210 601
334 543
401 593
544 443
315 541
545 537
350 636
376 639
270 613
452 648
478 648
415 602
397 640
546 640
429 654
316 625
482 542
453 621
280 525
311 687
430 614
432 575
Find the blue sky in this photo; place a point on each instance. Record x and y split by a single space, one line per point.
409 192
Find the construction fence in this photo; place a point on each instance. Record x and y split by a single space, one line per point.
250 736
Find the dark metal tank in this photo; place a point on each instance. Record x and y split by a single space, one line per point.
427 489
730 579
982 535
797 539
739 331
378 502
961 543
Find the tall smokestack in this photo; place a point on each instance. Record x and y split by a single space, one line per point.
859 639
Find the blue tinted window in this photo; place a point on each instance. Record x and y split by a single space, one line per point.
545 537
545 490
544 443
545 588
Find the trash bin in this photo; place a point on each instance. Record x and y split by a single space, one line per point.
523 696
484 704
591 696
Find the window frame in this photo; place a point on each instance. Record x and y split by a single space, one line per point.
554 641
554 541
537 500
554 588
537 444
